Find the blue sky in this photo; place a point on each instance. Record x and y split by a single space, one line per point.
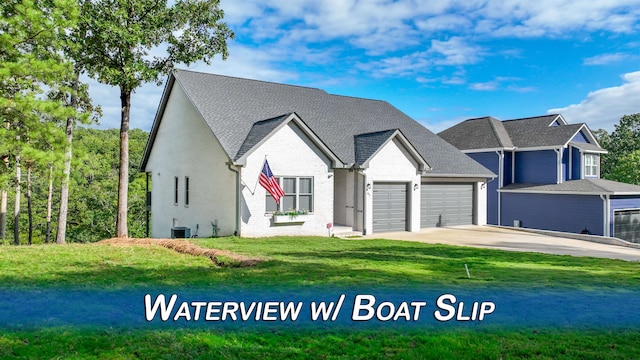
439 61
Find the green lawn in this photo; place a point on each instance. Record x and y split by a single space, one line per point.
312 262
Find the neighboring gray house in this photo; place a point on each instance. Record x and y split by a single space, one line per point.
356 164
549 176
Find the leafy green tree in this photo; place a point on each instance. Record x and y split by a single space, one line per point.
626 169
117 38
623 144
94 185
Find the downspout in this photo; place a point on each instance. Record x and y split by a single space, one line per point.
581 164
513 166
605 215
147 204
558 165
237 222
364 202
500 154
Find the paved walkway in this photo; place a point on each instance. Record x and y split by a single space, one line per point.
512 240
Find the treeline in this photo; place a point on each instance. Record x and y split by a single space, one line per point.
622 162
45 48
93 189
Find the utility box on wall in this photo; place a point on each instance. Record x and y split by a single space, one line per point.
180 232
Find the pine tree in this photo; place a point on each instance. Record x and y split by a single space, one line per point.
31 60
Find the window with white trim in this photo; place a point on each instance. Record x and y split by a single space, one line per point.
591 165
298 195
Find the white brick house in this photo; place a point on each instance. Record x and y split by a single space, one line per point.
358 163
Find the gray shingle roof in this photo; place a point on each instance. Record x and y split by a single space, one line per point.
486 133
259 131
583 186
536 132
489 133
367 144
587 147
231 106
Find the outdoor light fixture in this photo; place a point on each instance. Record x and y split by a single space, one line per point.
368 186
415 187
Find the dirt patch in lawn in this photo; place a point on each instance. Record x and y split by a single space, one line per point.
218 257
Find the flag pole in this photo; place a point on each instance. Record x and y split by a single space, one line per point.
257 180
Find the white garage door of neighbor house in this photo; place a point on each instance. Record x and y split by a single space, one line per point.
626 225
389 207
446 205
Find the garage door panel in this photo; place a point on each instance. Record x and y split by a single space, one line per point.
446 205
389 207
627 225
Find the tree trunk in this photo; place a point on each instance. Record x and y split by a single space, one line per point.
123 179
47 235
61 235
29 208
16 209
3 214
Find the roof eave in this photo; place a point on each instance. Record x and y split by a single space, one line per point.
477 176
471 151
558 192
156 122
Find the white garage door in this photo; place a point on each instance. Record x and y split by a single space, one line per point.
389 207
626 225
446 205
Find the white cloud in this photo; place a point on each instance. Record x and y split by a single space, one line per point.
456 51
603 108
604 59
524 18
443 22
501 82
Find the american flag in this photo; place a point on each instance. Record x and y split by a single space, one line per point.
269 182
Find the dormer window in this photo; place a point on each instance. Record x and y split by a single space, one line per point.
591 165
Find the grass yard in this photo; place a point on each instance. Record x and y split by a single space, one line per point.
308 263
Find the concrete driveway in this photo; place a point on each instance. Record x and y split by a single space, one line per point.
512 240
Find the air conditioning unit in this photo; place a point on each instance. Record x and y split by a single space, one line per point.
517 223
180 232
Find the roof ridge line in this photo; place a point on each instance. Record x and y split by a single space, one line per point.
530 117
255 80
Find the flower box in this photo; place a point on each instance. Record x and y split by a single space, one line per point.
290 219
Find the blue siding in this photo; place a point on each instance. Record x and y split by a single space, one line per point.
619 203
566 153
558 212
575 164
536 167
490 160
508 178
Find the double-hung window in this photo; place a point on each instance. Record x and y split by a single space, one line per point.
298 195
591 165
